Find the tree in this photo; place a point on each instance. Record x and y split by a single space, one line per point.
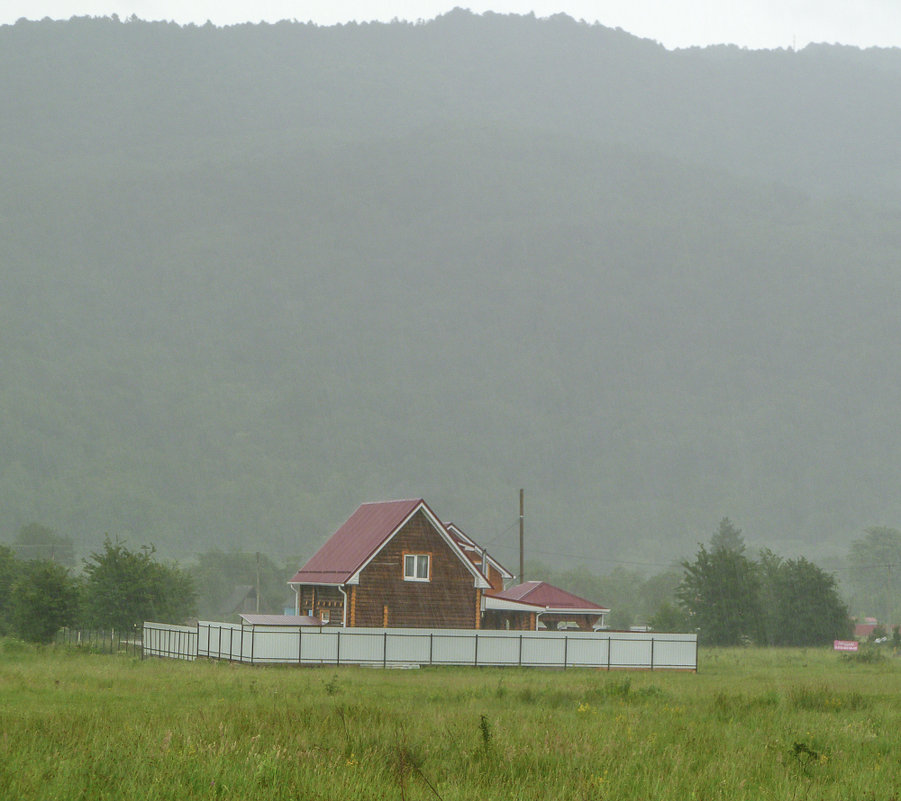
35 541
728 537
123 588
43 599
875 562
657 592
720 591
670 617
9 570
802 605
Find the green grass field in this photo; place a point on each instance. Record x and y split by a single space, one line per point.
752 724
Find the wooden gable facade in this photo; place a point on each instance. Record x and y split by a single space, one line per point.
488 566
392 564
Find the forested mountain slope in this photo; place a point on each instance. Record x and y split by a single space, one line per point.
254 276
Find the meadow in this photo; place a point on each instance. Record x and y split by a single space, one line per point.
751 724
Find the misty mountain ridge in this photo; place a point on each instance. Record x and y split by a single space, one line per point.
255 276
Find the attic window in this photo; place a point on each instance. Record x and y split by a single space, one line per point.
416 567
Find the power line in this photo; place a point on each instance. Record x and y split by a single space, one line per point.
501 534
597 558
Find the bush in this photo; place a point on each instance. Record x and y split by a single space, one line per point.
43 599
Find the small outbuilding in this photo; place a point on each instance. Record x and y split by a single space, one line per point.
549 606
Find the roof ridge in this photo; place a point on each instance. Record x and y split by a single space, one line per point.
395 500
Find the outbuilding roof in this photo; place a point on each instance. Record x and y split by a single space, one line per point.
366 531
551 598
253 619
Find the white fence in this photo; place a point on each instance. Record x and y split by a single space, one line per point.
174 642
302 645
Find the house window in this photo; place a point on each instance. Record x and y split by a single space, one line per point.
416 567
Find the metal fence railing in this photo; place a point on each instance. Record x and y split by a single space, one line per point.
104 641
300 645
173 642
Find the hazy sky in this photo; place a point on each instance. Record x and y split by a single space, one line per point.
674 23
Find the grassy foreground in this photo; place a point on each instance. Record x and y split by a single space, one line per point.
752 724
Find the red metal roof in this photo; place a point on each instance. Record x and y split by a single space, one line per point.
547 595
347 550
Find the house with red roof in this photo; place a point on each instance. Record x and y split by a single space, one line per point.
395 564
392 564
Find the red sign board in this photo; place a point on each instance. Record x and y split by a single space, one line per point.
844 645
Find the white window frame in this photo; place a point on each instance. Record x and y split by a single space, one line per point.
416 560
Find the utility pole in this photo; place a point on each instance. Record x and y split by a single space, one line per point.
891 598
522 574
258 581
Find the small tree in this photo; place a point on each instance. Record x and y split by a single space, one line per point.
670 617
35 541
875 562
43 599
802 604
9 570
123 588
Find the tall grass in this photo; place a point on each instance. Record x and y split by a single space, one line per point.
751 725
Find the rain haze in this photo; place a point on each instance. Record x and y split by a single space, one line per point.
637 259
755 25
415 333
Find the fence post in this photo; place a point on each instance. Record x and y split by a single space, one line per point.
253 638
565 649
384 650
652 654
520 650
431 635
299 644
338 648
609 647
476 659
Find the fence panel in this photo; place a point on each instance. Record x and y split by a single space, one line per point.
541 651
674 653
453 648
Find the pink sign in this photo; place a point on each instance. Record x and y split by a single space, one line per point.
844 645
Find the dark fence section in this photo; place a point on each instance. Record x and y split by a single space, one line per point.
103 641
